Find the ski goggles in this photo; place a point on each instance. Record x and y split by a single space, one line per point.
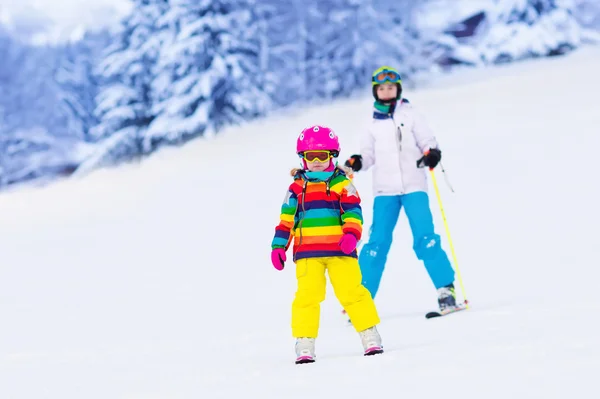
317 155
386 76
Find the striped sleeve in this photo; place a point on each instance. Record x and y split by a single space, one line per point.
283 231
352 219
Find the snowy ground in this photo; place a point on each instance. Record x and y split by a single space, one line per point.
154 280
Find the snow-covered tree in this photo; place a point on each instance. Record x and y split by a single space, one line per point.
178 69
125 75
511 30
208 74
28 90
38 133
338 55
3 157
126 72
401 40
283 48
587 12
78 82
322 50
522 28
370 34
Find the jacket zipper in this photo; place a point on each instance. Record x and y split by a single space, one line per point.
303 211
398 136
304 208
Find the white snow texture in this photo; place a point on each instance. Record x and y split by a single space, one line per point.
153 280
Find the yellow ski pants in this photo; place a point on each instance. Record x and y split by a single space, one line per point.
345 276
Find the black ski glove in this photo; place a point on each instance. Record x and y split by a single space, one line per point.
431 159
354 162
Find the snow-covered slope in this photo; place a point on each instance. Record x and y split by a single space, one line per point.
154 281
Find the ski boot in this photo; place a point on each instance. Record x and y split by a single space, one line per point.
371 341
305 350
446 298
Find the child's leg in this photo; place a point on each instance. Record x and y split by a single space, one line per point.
373 255
345 277
427 244
306 308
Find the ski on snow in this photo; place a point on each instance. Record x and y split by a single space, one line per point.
457 308
429 315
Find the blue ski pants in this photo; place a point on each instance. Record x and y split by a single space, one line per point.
426 244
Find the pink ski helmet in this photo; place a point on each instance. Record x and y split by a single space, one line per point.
318 138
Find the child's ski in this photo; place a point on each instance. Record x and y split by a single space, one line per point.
459 307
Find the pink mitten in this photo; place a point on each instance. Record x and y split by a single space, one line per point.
348 243
278 258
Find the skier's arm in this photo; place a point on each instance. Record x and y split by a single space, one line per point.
352 219
423 134
283 231
367 150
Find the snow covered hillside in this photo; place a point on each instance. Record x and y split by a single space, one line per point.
165 72
153 280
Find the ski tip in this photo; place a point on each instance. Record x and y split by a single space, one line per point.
431 315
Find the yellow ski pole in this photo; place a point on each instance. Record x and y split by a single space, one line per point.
439 198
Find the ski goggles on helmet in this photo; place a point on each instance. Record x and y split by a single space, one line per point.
386 75
318 155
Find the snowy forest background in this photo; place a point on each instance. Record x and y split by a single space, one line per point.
173 70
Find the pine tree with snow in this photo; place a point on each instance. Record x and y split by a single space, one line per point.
78 82
124 103
355 37
512 30
29 92
283 50
39 134
3 152
327 49
525 28
208 74
335 60
587 13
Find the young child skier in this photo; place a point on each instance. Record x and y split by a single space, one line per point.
399 145
321 213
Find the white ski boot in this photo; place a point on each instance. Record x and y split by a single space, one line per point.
371 341
446 298
305 350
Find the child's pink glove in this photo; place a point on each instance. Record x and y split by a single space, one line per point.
278 258
348 243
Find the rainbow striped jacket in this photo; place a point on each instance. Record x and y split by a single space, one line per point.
316 213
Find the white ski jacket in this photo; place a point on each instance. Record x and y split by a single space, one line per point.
392 147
